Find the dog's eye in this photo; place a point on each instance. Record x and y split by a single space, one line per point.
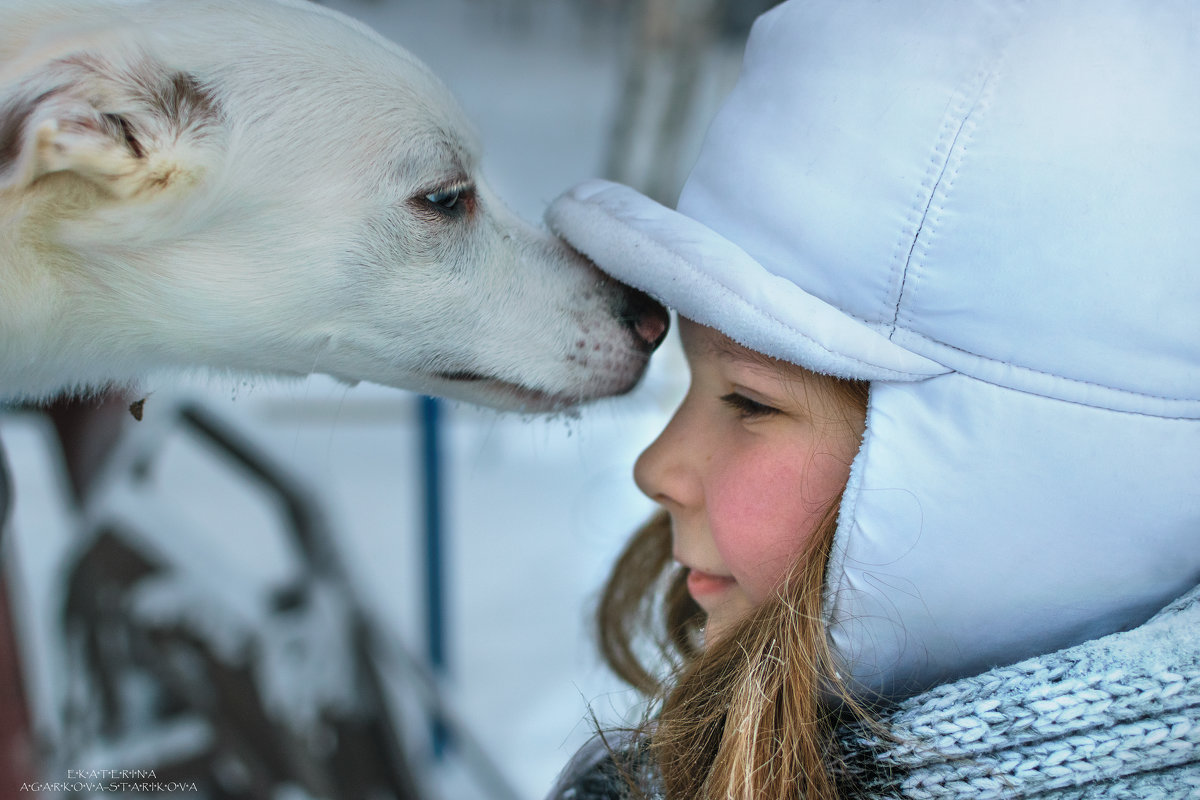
447 199
451 202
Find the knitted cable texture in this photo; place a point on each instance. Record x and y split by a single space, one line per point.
1115 717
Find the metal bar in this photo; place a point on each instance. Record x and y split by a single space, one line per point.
308 525
435 572
390 649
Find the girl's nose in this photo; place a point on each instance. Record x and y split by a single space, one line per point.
663 471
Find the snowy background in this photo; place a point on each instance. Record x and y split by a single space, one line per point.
537 508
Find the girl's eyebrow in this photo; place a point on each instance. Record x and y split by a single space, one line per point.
722 347
725 348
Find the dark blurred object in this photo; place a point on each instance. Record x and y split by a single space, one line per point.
205 708
5 490
175 674
738 15
87 431
16 751
171 656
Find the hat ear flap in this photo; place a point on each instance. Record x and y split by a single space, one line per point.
126 128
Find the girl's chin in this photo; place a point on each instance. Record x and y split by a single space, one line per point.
722 617
715 628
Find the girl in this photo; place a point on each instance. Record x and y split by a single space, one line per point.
930 507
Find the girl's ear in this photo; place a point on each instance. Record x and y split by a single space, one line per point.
127 126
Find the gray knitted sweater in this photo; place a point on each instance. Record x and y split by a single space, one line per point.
1117 717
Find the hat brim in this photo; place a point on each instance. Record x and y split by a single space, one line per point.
705 277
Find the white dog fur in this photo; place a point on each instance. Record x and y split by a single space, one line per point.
267 186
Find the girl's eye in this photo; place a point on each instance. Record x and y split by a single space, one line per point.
747 408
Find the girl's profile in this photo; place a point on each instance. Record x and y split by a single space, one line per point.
929 510
749 469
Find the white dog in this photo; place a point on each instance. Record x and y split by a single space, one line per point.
268 186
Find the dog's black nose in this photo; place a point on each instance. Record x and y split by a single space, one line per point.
646 318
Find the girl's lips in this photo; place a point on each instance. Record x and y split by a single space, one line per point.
700 584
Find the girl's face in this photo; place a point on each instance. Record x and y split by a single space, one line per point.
748 466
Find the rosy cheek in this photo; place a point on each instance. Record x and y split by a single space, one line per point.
759 521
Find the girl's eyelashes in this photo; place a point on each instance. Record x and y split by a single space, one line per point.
747 408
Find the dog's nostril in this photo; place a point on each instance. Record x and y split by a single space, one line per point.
646 318
652 329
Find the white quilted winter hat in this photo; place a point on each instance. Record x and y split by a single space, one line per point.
991 210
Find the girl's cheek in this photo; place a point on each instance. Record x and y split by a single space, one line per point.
758 521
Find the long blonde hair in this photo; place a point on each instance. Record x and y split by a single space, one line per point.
746 717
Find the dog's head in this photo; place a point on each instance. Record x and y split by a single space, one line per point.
268 186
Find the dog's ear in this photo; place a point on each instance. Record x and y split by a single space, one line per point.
130 128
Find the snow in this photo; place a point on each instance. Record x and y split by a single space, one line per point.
537 509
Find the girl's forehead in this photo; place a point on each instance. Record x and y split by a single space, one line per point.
700 341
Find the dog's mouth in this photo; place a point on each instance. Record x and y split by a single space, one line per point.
463 376
513 395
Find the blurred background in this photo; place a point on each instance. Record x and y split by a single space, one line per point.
292 590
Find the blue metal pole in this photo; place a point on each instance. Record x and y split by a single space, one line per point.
435 571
